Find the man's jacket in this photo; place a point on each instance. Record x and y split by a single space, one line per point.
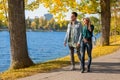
77 32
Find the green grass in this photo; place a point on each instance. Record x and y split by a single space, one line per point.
59 63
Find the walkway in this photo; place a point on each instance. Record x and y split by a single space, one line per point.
103 68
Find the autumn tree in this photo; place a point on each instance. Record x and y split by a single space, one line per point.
3 12
41 22
28 22
33 25
105 19
19 50
115 25
36 20
51 23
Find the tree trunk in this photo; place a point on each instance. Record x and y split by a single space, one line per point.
105 18
19 53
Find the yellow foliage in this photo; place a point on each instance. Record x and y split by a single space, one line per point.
33 25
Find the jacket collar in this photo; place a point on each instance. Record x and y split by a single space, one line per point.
75 22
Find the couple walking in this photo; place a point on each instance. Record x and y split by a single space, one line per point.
80 38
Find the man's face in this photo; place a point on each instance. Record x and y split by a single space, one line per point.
73 17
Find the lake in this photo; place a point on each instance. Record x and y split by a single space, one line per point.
42 46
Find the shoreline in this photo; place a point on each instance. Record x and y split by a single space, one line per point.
30 30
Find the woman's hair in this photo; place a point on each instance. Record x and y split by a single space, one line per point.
88 20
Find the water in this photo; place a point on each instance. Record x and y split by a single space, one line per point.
42 46
98 35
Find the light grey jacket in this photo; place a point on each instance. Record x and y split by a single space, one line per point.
77 32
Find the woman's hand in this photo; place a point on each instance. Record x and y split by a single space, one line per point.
89 28
65 44
85 40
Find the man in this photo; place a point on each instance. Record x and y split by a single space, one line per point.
73 37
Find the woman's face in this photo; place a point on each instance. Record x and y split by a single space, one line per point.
85 21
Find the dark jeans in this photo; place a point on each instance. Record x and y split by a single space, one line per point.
85 46
72 54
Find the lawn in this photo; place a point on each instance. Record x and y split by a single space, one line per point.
61 62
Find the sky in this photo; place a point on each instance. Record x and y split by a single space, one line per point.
42 10
37 12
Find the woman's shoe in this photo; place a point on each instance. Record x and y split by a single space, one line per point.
88 70
72 68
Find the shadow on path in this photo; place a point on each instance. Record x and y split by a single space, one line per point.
106 67
97 67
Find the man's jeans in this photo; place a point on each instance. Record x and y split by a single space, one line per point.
85 46
72 54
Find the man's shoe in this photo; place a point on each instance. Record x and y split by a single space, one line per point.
82 70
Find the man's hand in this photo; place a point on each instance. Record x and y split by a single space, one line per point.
78 44
65 44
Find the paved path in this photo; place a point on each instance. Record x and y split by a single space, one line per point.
103 68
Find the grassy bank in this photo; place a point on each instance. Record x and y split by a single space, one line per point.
58 63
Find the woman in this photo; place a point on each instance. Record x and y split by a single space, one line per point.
86 44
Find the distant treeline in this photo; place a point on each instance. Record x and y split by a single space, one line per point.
42 24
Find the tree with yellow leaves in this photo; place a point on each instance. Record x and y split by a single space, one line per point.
33 25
